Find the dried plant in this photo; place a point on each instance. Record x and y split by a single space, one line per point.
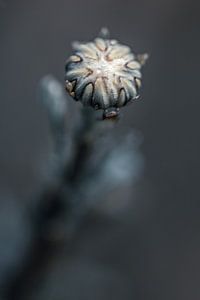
104 74
88 159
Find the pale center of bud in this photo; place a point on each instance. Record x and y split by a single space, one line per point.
106 68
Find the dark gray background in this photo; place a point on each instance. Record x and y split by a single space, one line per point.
153 252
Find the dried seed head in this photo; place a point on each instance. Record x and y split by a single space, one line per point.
103 74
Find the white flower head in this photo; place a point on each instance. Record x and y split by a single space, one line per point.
104 74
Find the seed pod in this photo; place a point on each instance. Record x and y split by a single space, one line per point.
103 74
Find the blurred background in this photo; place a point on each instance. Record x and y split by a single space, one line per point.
148 245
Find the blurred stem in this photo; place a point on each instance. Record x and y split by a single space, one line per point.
53 205
83 142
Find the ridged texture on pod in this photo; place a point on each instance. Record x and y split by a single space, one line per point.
103 74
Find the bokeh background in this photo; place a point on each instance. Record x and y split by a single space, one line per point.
151 250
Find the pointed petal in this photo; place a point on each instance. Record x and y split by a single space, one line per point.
133 65
88 50
113 92
77 72
142 58
80 86
118 51
87 94
138 83
124 74
101 97
129 88
100 44
70 87
136 73
122 98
